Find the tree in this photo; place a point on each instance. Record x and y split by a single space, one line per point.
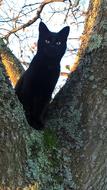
71 152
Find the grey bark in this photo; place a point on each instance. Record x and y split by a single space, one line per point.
80 110
12 162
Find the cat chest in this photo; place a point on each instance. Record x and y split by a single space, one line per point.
47 72
44 81
48 77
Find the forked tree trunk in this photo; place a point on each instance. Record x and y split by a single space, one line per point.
71 153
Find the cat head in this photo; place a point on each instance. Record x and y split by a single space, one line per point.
50 43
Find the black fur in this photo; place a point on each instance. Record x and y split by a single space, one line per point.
35 87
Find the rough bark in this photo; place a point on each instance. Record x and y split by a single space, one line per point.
80 110
15 162
11 162
12 65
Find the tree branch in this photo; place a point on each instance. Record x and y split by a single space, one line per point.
45 2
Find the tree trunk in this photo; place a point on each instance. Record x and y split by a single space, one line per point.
12 153
80 110
12 65
16 141
70 154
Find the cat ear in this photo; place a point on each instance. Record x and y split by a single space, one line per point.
43 28
64 32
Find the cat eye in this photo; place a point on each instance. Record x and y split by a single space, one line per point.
47 41
58 43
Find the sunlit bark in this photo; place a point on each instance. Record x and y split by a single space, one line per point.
12 65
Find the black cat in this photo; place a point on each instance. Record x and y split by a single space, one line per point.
35 87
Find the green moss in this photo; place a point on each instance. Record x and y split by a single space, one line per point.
59 179
50 139
1 75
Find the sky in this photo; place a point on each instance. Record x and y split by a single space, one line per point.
22 42
12 8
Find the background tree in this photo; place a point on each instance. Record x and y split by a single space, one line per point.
71 152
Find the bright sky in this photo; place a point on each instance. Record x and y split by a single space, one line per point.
55 22
12 8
